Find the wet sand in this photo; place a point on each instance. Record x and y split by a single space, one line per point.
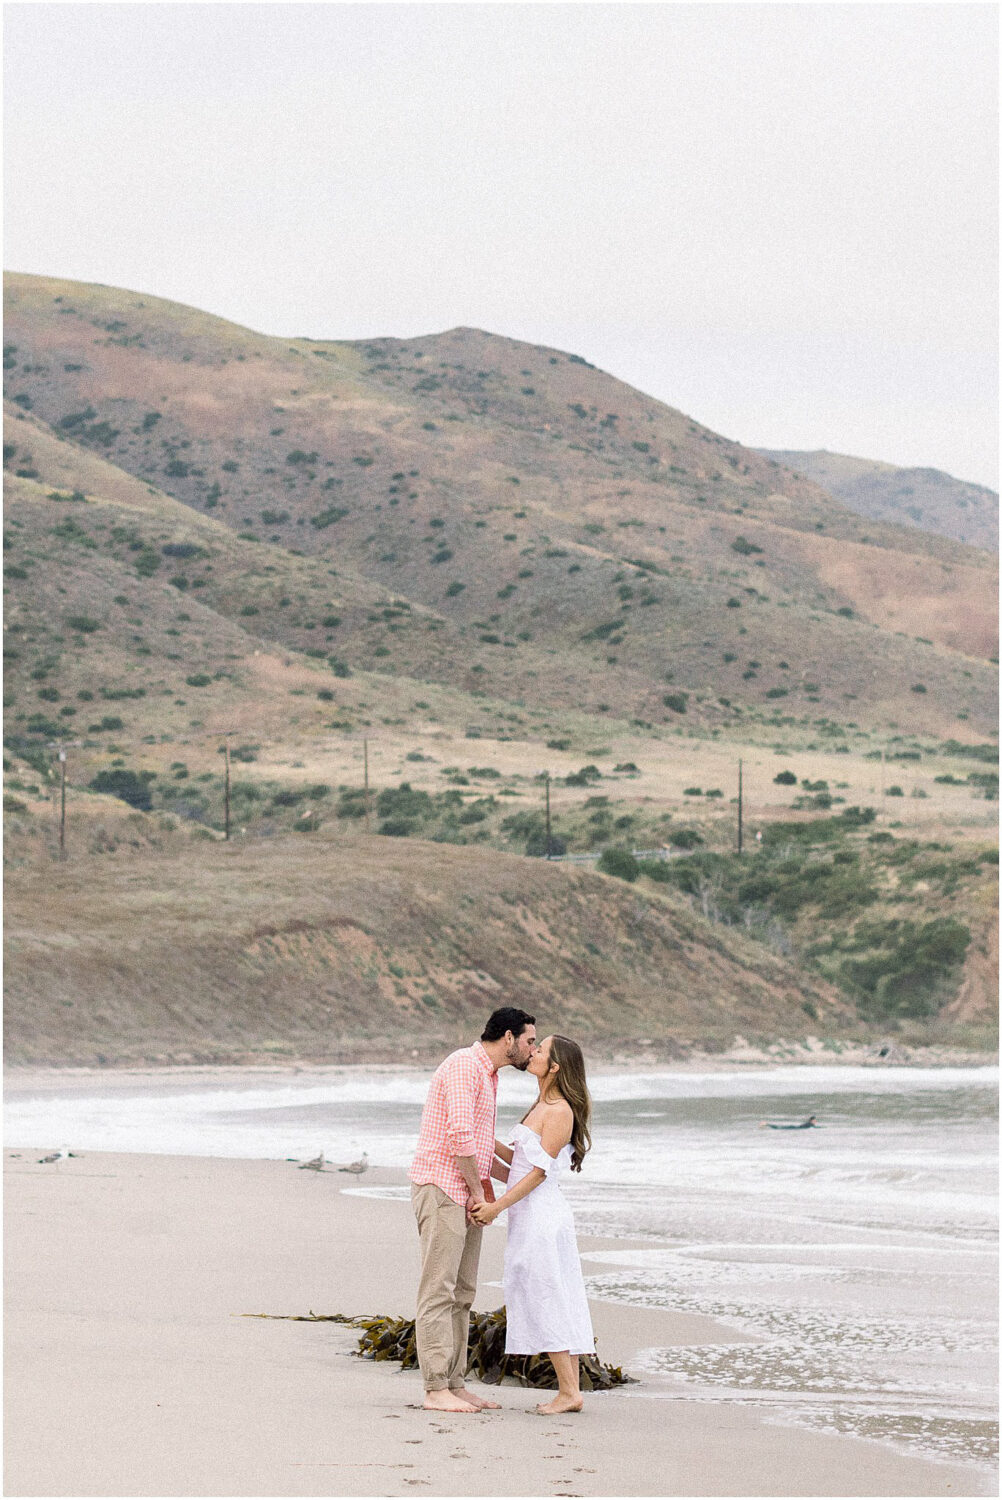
130 1369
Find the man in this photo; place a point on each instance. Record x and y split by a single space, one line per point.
450 1175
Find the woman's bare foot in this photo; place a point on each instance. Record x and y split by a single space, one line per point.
448 1401
479 1402
559 1405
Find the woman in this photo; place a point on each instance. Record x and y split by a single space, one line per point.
544 1289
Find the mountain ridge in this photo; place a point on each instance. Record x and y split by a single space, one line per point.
919 496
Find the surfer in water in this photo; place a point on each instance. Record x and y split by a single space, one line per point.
811 1123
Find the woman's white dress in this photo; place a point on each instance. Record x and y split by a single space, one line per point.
543 1286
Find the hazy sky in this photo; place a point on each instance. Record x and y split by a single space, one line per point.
780 218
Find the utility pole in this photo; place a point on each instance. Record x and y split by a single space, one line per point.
60 746
740 805
226 791
62 803
365 754
546 777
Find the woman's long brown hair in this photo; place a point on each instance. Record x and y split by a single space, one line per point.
572 1084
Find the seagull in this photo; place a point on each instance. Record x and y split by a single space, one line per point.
358 1167
316 1165
60 1155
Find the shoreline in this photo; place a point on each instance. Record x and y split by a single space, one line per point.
129 1278
739 1059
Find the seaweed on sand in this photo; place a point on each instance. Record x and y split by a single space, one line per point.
394 1338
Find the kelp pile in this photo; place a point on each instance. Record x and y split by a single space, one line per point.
394 1338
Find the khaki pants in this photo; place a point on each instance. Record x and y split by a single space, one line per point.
450 1254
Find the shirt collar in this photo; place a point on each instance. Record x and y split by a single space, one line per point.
479 1052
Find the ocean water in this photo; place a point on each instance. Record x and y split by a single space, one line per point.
855 1263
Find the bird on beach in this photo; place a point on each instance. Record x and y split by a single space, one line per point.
60 1155
316 1165
357 1167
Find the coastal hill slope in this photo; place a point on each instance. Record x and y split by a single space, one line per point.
926 498
550 534
286 947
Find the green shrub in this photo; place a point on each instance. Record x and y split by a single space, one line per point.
619 862
677 702
130 786
397 828
785 778
685 838
82 623
328 517
198 679
587 776
742 545
904 966
76 418
288 797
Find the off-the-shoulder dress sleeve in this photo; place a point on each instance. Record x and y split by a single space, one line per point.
532 1147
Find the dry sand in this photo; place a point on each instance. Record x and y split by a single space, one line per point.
130 1370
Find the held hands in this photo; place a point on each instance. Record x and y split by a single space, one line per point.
482 1213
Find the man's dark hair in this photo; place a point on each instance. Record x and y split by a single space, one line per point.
508 1018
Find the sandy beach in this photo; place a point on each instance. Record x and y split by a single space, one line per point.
131 1370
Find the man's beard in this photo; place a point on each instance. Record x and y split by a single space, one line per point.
514 1060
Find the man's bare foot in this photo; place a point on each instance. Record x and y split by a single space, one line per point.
478 1401
559 1405
448 1401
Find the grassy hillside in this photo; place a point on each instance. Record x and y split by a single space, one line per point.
577 543
473 564
287 947
926 498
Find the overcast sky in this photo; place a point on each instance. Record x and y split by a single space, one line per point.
780 218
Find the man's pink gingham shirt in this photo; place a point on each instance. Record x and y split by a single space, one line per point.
459 1119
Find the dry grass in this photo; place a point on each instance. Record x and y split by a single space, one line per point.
222 951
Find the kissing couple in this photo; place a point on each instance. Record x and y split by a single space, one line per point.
457 1156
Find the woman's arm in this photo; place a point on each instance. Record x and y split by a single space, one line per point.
504 1152
499 1170
486 1213
556 1132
